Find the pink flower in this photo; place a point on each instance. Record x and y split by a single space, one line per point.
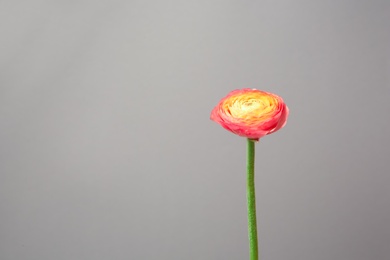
251 113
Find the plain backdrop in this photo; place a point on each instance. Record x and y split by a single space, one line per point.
107 150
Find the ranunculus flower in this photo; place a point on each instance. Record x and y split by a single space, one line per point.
251 113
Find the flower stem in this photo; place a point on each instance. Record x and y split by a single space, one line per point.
251 198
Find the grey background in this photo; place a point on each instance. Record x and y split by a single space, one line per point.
107 150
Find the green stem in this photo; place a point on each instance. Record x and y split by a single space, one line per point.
251 197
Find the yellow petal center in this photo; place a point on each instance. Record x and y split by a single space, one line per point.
251 106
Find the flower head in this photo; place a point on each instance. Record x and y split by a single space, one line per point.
251 113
